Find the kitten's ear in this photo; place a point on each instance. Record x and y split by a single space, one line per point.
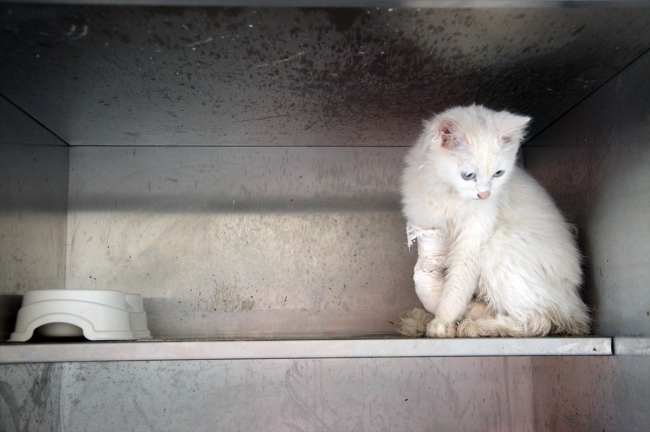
450 134
513 129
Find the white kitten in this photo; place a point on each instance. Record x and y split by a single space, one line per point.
507 244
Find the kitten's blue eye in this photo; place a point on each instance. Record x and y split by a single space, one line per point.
468 176
499 173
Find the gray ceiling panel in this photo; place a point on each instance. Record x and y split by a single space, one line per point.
215 76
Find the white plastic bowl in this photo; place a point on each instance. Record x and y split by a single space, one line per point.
95 314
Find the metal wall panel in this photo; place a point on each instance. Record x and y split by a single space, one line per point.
596 162
599 172
159 76
246 242
33 210
33 198
16 127
589 394
30 397
490 394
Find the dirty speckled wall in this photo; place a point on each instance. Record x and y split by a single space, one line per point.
412 394
595 161
30 397
160 76
244 242
587 393
33 210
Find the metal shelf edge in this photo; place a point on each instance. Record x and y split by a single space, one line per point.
290 349
631 346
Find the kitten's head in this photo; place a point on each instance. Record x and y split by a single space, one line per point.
474 148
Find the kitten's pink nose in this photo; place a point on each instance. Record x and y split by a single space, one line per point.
484 195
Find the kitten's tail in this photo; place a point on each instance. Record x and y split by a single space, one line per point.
579 324
534 324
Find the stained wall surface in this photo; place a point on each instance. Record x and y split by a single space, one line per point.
246 242
415 394
30 397
33 210
181 76
588 393
596 162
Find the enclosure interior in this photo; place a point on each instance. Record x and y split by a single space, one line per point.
239 168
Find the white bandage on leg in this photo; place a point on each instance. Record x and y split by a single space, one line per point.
428 276
428 273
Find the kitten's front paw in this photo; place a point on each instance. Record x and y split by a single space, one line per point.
440 329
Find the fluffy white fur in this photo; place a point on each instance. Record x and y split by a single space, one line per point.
508 245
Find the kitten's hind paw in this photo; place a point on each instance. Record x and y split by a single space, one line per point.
470 328
414 322
440 329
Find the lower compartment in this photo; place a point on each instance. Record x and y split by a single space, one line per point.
374 394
